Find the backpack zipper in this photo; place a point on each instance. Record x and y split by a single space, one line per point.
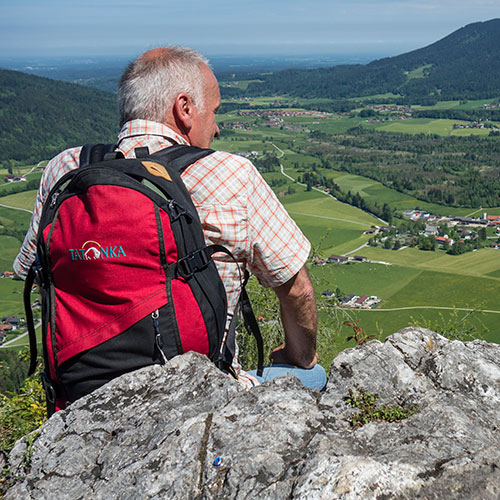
53 200
168 284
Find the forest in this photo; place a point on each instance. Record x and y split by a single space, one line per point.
40 117
456 171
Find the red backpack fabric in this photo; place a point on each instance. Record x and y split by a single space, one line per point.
125 275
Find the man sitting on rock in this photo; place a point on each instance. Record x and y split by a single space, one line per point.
170 96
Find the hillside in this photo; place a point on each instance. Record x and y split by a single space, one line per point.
40 117
463 65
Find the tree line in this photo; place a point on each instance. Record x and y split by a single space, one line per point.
456 171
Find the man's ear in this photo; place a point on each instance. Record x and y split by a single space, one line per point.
183 112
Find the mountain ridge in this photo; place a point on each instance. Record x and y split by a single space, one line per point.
463 65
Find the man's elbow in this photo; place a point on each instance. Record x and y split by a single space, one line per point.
298 289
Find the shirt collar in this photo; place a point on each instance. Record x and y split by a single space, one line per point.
146 127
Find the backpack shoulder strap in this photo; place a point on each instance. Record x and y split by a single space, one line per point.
251 324
93 153
180 156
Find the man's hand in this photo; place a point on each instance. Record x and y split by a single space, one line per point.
300 321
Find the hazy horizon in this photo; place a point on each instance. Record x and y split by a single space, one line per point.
221 63
343 28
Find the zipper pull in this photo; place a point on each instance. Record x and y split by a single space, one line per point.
54 199
177 211
158 341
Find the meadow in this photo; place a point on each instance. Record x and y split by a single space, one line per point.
412 281
411 278
24 200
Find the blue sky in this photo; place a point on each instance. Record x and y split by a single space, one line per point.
127 27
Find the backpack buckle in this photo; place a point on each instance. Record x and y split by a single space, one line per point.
192 263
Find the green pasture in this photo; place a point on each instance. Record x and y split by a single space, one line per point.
25 199
479 263
418 72
489 211
238 144
9 247
13 219
407 287
388 95
325 207
326 235
384 323
494 274
337 124
240 84
465 105
11 297
363 278
373 190
266 101
426 126
432 288
350 246
471 131
293 157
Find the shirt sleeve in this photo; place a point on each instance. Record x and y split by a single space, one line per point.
55 169
278 248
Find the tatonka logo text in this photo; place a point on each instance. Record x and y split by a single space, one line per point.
91 250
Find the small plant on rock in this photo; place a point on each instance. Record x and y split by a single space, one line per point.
368 411
359 334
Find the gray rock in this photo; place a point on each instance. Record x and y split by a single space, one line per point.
155 433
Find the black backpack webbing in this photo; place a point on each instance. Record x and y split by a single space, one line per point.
251 324
179 158
30 279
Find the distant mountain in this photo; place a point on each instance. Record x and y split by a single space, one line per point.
40 117
463 65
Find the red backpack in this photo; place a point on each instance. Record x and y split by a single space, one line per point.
125 276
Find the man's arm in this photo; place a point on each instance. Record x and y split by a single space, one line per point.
300 321
55 169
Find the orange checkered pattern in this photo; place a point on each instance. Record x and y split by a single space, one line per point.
236 206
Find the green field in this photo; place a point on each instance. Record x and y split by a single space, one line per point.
479 263
11 297
9 247
420 293
242 84
418 72
427 126
410 279
416 278
24 200
465 105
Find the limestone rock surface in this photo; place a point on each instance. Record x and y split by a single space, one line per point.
185 431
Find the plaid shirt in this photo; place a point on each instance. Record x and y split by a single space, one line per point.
236 206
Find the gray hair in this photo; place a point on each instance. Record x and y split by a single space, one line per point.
150 84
